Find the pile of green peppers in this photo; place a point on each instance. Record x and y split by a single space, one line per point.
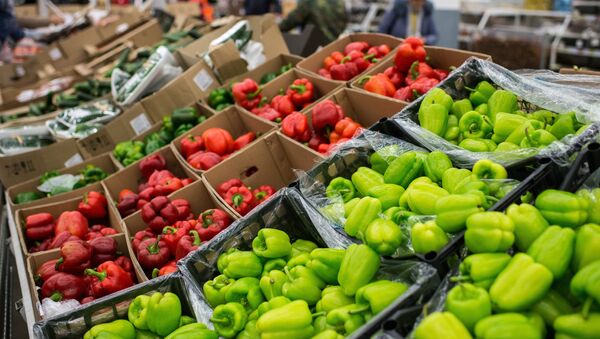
220 98
153 317
550 285
379 200
179 122
490 120
267 77
284 289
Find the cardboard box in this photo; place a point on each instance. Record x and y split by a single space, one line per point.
71 46
314 62
269 161
56 209
12 97
200 200
578 71
125 20
235 120
271 66
190 54
439 57
105 60
15 75
146 34
20 167
103 161
34 262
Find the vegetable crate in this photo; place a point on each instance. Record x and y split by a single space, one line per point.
268 71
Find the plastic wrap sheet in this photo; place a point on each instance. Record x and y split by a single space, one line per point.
75 323
84 120
534 94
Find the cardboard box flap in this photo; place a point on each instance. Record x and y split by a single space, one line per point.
227 61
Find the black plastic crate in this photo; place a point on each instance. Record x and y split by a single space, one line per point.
586 163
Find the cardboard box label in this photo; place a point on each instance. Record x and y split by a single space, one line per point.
140 124
74 160
203 80
55 54
97 141
122 28
20 71
20 167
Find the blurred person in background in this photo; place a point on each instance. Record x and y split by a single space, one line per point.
327 15
410 18
260 7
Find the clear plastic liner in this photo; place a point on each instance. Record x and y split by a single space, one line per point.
15 140
557 93
84 120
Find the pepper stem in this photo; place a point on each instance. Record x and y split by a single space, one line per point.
300 89
60 261
318 314
153 248
470 89
56 296
237 200
196 238
359 310
585 311
260 195
169 230
363 80
286 270
219 320
100 275
413 70
155 273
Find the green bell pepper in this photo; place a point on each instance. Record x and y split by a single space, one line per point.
328 334
381 159
454 178
342 187
320 323
441 325
469 304
347 319
421 197
452 211
564 125
185 320
229 319
436 96
271 243
325 263
529 224
303 284
116 329
137 313
484 109
545 116
301 246
238 264
271 284
245 291
435 164
501 101
365 211
593 199
268 77
273 264
164 311
487 169
577 326
387 194
184 116
182 129
562 208
554 249
196 330
452 130
482 269
508 325
379 294
333 297
365 178
481 93
474 125
489 232
24 197
428 237
299 260
249 332
219 96
404 169
384 236
520 285
141 334
434 118
506 147
585 286
214 290
359 266
537 138
460 107
506 123
293 320
398 215
349 206
474 145
552 306
271 305
587 242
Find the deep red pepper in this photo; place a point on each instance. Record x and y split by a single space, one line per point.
247 93
106 231
419 70
204 160
361 60
301 91
296 127
440 74
409 51
45 271
61 238
127 265
170 267
141 236
243 140
40 246
151 163
325 72
324 148
283 104
316 140
188 243
123 193
360 46
153 253
128 204
344 71
218 140
212 217
240 198
269 113
225 186
109 278
262 193
395 76
94 205
191 144
167 186
146 195
379 51
158 176
103 249
73 222
39 226
75 257
183 208
186 181
172 235
423 85
404 94
325 114
160 212
63 286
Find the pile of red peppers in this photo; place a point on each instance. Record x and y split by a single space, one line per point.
243 198
410 77
356 57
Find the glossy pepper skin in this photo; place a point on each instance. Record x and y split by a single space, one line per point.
469 304
487 169
116 329
245 291
501 101
303 284
164 312
63 286
365 211
384 236
93 205
215 289
509 324
75 257
489 232
271 243
152 253
103 249
293 320
342 187
229 319
562 208
482 269
404 169
137 313
593 199
326 263
325 115
73 222
247 93
427 237
301 91
188 243
435 164
452 211
239 264
481 93
552 306
577 326
387 194
240 198
108 278
554 249
365 178
218 140
586 241
211 222
408 52
584 286
359 266
529 224
421 196
333 297
347 319
296 127
379 84
379 294
160 212
195 330
271 283
520 285
434 118
441 325
39 226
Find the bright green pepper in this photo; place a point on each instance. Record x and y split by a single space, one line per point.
577 326
452 132
249 332
115 329
506 123
214 290
469 304
229 319
436 96
483 109
164 311
428 237
293 320
238 264
404 169
299 260
435 164
268 77
554 249
508 325
301 246
474 145
333 297
196 330
453 210
380 294
137 313
489 232
141 334
529 224
384 236
245 291
545 116
347 319
501 101
593 199
482 269
271 305
320 324
434 118
520 133
474 125
481 93
365 178
342 187
349 206
273 264
325 263
537 138
363 213
552 306
562 208
454 178
271 243
398 215
585 286
460 107
381 159
564 125
328 334
182 129
506 147
185 320
219 96
441 325
587 242
359 266
184 116
24 197
520 285
303 284
387 194
421 197
271 284
487 169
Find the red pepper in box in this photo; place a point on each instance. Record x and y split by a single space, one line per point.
296 127
344 71
423 85
183 208
316 140
127 265
379 51
103 249
324 73
153 253
128 202
141 236
62 238
159 176
225 186
247 94
191 144
262 193
106 231
64 286
75 257
404 94
409 51
186 181
211 222
301 91
394 75
283 104
73 222
167 186
379 84
160 212
40 246
243 140
109 278
419 70
93 206
325 115
172 235
154 162
169 268
361 60
204 160
360 46
39 226
240 198
217 140
333 59
440 74
188 243
344 129
269 113
45 271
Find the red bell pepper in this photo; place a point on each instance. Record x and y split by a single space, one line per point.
106 231
440 74
246 94
170 267
361 60
167 186
240 198
217 140
63 286
45 271
404 94
39 226
211 222
151 163
188 243
379 51
61 238
186 181
124 193
183 208
75 257
379 84
225 186
344 71
86 300
395 76
73 222
409 51
360 46
419 70
269 113
324 73
147 194
325 115
127 204
191 144
103 249
153 253
333 59
172 235
109 278
243 140
141 236
345 128
283 104
316 140
93 206
127 265
40 246
423 85
159 176
160 212
262 193
324 148
301 91
296 127
204 160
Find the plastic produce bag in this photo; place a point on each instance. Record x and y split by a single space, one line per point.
60 184
84 120
15 140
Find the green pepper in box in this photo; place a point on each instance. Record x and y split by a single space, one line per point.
452 211
164 311
239 264
537 138
269 305
481 93
441 325
359 266
404 169
585 286
333 297
435 164
587 242
138 312
328 334
214 290
475 145
469 304
554 249
27 197
274 264
578 326
303 284
552 306
452 131
379 294
326 262
593 199
506 123
347 319
454 178
349 206
271 284
268 77
501 101
365 178
564 125
422 196
293 320
474 125
229 319
387 194
487 169
562 208
529 224
365 211
182 129
220 97
249 332
508 325
116 329
482 269
428 237
341 186
184 116
489 232
384 236
381 159
436 96
196 330
271 243
245 291
460 107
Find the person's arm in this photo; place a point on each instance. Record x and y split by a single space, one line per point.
35 22
432 37
296 17
387 22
